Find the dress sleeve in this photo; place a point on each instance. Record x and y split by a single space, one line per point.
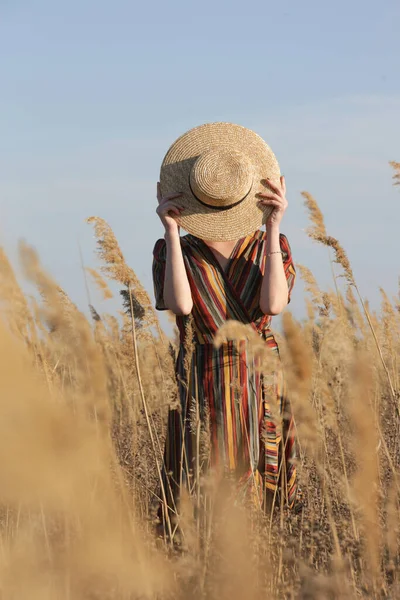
159 260
288 265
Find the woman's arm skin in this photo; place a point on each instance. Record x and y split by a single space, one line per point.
177 293
274 287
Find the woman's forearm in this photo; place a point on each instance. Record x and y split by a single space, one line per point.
274 288
177 293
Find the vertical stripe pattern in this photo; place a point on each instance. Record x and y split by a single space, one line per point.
226 384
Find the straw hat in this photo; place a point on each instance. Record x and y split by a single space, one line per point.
220 169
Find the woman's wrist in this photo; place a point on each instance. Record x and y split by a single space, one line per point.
171 234
273 228
273 238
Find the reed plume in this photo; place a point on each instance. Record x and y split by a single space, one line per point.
318 233
100 283
396 176
311 285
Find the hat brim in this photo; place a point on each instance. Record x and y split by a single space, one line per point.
206 222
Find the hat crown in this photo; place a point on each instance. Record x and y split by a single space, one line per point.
221 177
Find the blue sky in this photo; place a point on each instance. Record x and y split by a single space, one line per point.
93 94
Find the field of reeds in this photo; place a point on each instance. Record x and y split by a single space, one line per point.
83 406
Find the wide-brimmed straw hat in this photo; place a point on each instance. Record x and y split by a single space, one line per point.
219 168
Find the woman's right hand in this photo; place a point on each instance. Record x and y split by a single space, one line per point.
166 210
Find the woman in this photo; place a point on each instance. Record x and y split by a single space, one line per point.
221 183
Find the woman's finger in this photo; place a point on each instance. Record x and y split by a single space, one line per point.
171 211
283 184
168 207
274 187
169 203
171 197
270 196
175 211
271 203
276 203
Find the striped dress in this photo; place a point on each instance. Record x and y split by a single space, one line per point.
231 416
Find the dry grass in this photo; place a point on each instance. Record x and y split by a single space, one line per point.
82 426
396 176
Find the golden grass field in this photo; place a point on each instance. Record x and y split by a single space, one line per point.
82 421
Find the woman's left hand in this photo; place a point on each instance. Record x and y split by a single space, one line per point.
276 198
